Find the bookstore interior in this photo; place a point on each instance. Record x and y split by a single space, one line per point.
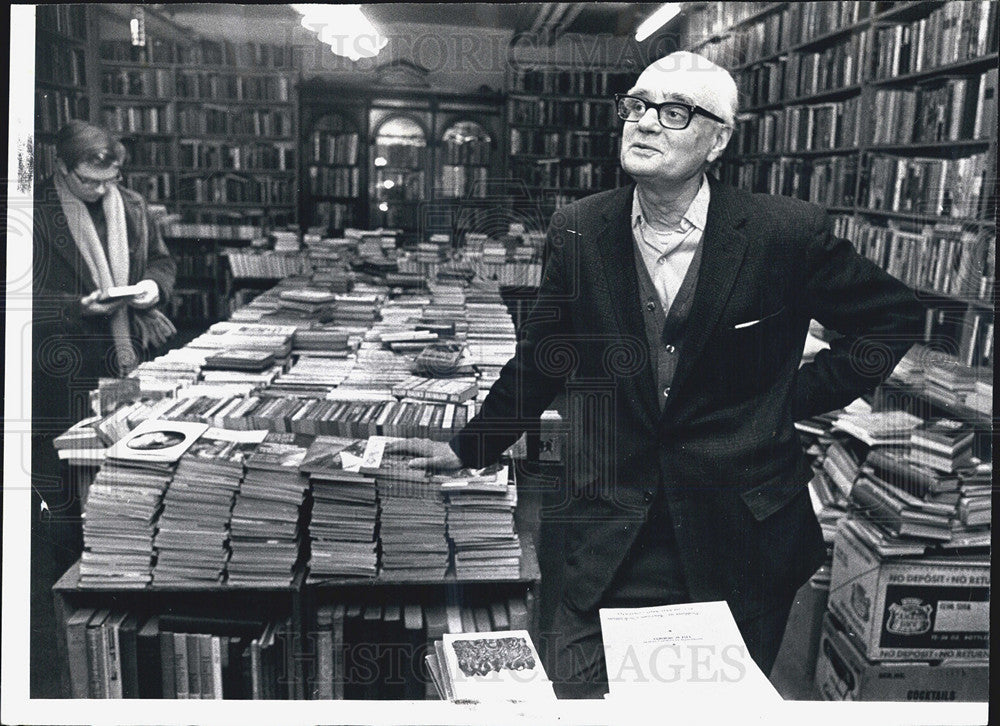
353 212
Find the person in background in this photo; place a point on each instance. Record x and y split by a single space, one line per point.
90 234
673 314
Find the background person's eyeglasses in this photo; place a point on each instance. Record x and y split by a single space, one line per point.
671 115
97 183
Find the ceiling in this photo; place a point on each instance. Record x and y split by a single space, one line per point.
550 19
547 20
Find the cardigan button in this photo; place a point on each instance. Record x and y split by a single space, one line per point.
650 306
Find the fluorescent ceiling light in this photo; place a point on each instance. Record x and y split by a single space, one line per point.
344 28
657 20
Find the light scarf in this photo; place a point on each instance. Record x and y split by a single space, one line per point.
105 272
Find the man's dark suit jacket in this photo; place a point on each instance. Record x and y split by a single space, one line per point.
724 447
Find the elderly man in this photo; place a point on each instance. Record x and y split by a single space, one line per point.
673 313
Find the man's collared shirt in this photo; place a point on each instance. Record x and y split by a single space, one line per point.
668 253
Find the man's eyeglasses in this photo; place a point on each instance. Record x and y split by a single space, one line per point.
97 183
671 115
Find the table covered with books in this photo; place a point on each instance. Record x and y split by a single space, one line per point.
252 462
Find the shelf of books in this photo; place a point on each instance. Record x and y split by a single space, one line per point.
252 466
210 126
65 85
200 294
886 114
332 168
564 133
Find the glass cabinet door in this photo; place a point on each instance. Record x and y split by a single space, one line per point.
466 149
398 173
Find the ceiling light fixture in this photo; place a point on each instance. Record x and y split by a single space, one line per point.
344 28
665 13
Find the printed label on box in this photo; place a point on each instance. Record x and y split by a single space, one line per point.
910 619
959 616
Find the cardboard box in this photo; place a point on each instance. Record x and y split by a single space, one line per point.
911 608
843 674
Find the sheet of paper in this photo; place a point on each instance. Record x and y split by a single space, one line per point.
690 652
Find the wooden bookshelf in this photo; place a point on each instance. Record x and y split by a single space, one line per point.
563 132
299 604
332 165
885 113
425 162
210 603
66 86
211 126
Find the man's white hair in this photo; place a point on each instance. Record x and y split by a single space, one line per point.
717 80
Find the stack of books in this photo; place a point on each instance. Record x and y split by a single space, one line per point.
344 510
442 390
480 514
408 280
331 341
975 488
81 444
408 340
980 399
166 373
314 374
377 369
884 428
266 522
441 360
898 512
943 445
285 241
413 519
949 381
841 465
124 502
356 308
306 300
192 538
829 504
897 468
241 359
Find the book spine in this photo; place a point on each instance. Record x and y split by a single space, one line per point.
181 666
206 670
256 687
76 652
168 668
149 676
96 665
338 652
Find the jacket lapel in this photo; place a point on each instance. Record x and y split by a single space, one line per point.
724 247
614 240
61 239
